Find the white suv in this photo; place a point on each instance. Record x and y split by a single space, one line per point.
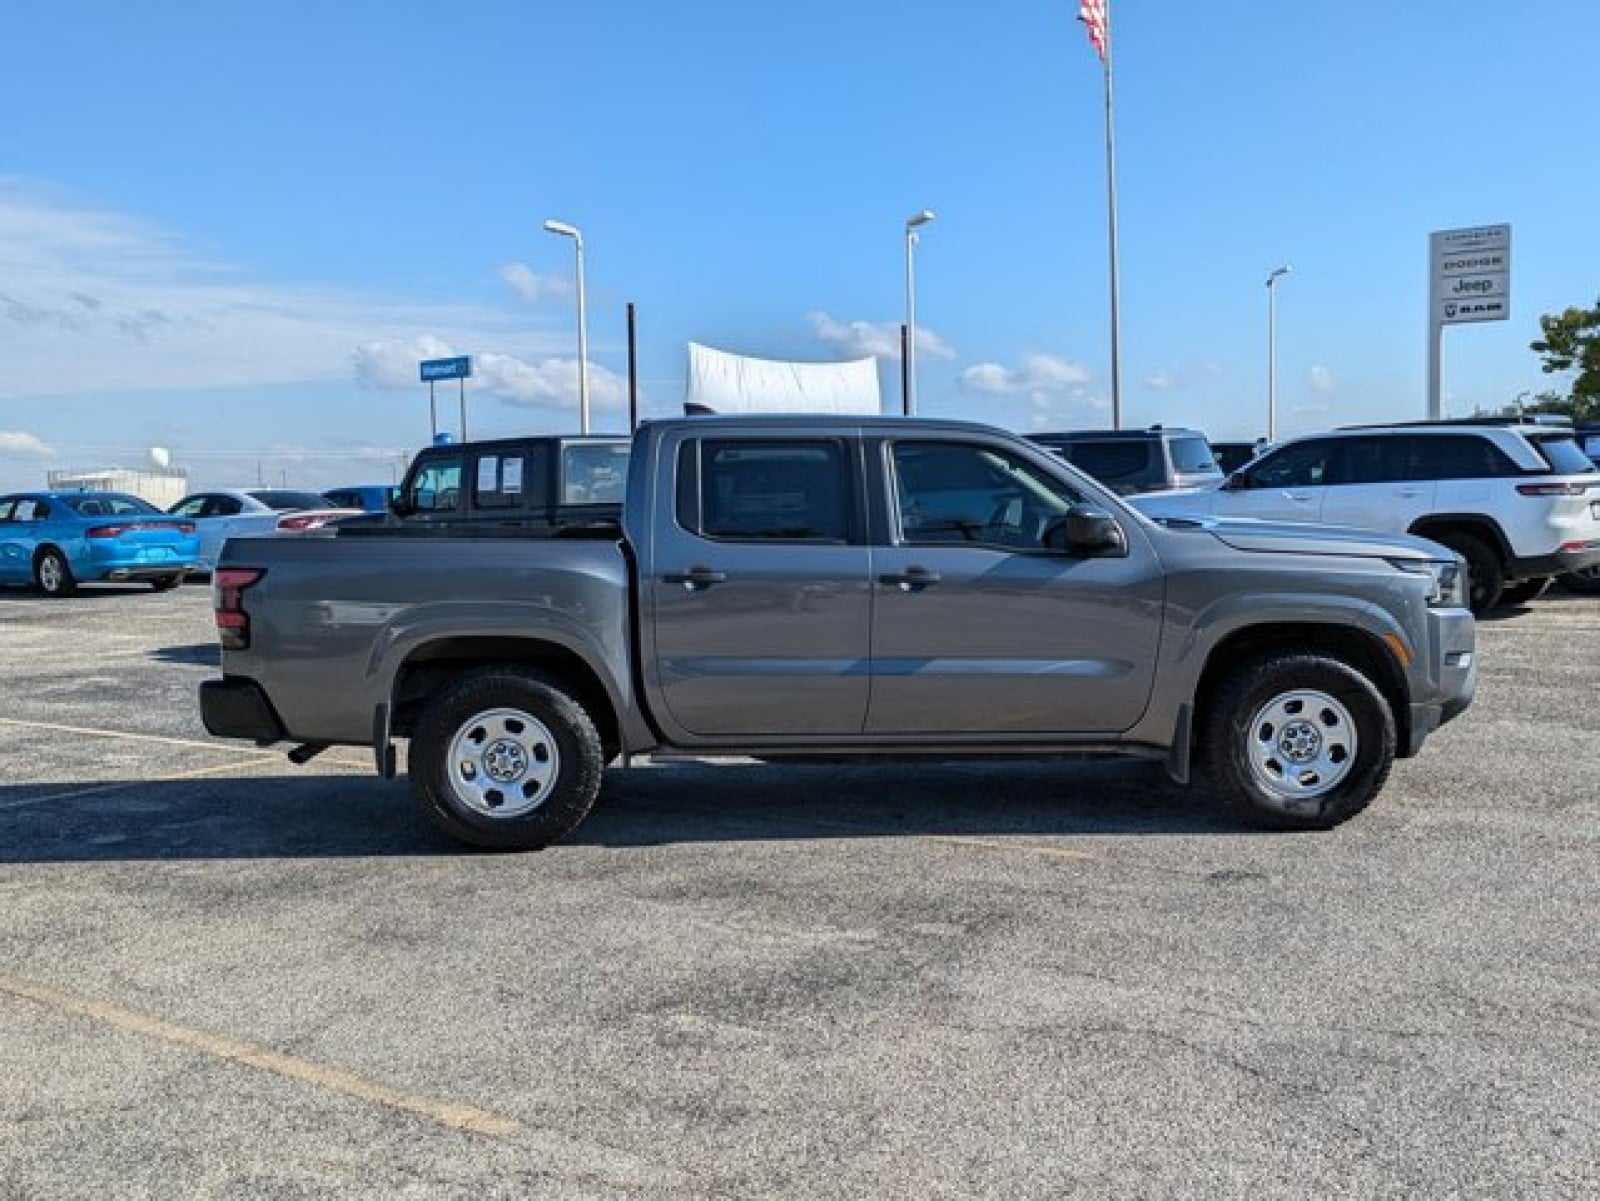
1520 503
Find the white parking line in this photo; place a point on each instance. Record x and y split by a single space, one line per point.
129 736
73 794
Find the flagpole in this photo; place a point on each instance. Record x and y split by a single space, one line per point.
1111 211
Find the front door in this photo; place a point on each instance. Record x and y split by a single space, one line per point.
1287 484
977 628
756 589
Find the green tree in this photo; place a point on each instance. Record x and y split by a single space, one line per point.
1571 342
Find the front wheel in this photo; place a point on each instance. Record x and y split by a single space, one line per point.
506 759
1486 578
53 574
1298 742
166 583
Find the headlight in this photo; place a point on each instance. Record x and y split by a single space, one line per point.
1449 580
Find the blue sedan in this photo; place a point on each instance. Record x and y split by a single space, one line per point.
57 540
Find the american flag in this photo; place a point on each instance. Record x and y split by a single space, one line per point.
1093 15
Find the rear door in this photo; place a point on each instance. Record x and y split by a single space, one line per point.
756 587
1380 482
976 627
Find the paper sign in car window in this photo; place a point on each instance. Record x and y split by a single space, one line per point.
512 482
489 473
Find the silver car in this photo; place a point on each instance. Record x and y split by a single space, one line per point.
225 513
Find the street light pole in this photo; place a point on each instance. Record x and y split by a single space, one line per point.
565 230
908 363
1272 351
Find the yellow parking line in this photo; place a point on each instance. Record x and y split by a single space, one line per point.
164 740
73 794
128 736
232 1050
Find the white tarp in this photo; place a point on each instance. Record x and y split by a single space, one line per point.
736 383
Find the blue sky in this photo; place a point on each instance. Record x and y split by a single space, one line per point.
232 230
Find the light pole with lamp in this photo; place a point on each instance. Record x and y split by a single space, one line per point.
1272 351
909 365
563 229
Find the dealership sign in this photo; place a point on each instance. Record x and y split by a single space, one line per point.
1470 274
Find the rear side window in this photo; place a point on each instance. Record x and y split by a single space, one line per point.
753 491
288 502
506 481
1459 457
1564 455
1373 461
1117 461
594 475
111 505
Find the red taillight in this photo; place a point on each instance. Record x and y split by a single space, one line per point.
227 600
185 527
1552 489
108 531
304 521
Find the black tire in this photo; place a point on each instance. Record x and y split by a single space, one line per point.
167 582
1486 578
52 574
1524 591
1584 583
566 751
1232 740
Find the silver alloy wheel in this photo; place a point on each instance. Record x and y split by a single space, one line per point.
50 575
1301 744
503 763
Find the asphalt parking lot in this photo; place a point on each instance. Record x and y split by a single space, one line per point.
221 975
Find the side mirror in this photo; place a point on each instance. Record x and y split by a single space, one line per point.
1085 530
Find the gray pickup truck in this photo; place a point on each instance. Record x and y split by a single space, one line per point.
825 587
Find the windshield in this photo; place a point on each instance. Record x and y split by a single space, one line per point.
1564 455
288 502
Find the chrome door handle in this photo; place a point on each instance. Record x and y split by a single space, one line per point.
1297 496
910 579
695 578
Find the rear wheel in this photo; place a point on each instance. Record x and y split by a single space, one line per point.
1486 579
1524 591
167 582
1297 742
506 759
52 573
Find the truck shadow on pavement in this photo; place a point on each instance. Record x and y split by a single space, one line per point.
318 816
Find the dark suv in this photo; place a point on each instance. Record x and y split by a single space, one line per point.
1133 461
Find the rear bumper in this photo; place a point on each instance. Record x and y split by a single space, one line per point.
147 571
237 707
1536 566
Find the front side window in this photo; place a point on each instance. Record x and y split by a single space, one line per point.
1192 454
1303 465
753 491
188 508
436 488
951 493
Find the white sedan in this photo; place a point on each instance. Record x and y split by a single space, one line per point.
231 512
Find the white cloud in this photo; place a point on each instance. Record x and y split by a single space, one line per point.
1039 373
95 301
1172 379
860 339
1320 380
530 285
548 383
22 443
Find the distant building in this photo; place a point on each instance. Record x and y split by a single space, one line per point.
161 488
